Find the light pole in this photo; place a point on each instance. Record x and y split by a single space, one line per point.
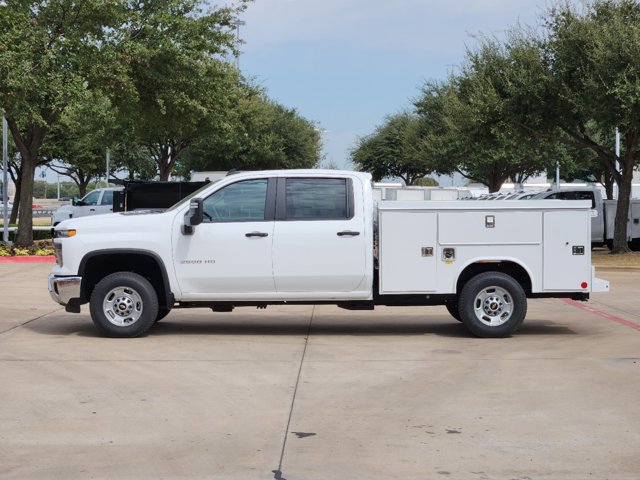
238 23
108 159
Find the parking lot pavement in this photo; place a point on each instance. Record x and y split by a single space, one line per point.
319 393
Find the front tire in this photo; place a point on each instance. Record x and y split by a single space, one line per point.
124 305
492 305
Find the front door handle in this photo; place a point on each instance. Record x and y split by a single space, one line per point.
348 233
256 234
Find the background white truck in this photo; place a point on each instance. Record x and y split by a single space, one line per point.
603 216
95 202
317 237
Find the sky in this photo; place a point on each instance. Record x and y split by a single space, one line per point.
346 64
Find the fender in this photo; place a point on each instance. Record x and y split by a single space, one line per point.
169 298
490 260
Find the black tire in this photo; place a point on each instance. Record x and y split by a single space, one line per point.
492 305
124 305
162 312
452 308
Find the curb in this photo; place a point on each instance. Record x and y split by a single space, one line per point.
29 259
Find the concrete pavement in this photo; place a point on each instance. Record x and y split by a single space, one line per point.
318 393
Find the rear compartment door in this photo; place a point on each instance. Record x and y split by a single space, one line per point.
567 250
408 252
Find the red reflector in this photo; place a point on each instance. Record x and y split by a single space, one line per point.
584 285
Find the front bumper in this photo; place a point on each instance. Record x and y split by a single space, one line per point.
64 289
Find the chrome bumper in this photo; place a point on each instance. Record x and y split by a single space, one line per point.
63 289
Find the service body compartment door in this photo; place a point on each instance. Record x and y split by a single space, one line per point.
567 250
408 252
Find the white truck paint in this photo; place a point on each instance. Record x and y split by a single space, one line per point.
312 236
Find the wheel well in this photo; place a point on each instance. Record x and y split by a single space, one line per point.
98 266
517 272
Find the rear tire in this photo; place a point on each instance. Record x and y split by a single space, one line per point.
492 305
124 305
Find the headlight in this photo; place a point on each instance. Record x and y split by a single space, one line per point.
64 233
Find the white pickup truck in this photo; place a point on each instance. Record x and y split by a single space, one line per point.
95 202
318 237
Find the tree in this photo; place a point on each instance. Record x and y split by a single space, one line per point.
394 149
52 52
184 88
48 54
259 134
584 70
478 136
594 59
76 144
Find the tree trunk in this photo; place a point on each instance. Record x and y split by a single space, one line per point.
24 237
495 184
14 173
620 244
608 185
164 169
83 185
28 145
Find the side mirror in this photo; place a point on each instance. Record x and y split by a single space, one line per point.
74 201
193 217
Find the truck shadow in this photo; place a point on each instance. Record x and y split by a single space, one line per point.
252 324
389 328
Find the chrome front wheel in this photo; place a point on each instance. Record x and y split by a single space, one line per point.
124 304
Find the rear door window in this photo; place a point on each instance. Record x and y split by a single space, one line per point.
318 199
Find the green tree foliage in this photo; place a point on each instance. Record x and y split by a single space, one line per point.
259 134
582 77
478 135
48 54
594 60
53 52
76 144
395 149
184 89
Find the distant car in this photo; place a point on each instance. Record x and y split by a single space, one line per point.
36 205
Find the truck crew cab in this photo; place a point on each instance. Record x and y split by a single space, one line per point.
313 236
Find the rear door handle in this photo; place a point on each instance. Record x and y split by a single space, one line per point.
256 234
348 233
